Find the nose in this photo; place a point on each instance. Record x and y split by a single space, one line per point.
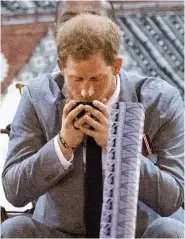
87 91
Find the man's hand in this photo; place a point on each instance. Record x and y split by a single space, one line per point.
71 135
98 119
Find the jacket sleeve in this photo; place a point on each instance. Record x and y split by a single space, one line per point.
32 165
161 184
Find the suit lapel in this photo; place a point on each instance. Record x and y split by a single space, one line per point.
128 94
127 89
60 103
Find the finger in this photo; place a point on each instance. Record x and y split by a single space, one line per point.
96 125
79 122
101 106
68 107
86 131
97 114
104 101
74 113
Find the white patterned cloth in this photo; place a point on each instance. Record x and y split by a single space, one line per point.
122 171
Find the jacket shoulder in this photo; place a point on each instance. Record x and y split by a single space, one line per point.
160 100
42 86
153 91
157 92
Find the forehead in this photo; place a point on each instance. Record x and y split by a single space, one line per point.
68 9
91 64
79 6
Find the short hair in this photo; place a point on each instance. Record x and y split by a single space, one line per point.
86 35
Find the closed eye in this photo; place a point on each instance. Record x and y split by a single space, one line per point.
93 79
79 79
75 78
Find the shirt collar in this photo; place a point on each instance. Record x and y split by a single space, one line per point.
115 96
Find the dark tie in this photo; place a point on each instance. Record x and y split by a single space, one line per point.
93 188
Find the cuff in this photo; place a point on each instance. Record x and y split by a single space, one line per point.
65 163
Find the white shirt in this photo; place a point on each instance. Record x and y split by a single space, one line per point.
66 163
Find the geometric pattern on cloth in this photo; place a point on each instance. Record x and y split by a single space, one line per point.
153 45
22 7
122 171
155 42
43 60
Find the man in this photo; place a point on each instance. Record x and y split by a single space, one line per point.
45 156
68 9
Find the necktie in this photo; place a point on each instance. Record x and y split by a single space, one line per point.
93 188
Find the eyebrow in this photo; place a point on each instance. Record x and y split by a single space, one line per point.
73 76
68 15
98 75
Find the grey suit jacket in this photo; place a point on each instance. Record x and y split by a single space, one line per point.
32 169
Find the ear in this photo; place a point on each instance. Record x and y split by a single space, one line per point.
60 65
117 66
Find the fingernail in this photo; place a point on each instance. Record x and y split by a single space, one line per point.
104 101
81 106
95 102
87 107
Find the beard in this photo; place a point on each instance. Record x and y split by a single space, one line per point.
98 94
72 95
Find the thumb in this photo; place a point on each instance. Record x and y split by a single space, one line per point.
104 101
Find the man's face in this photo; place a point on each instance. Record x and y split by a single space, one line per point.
88 80
69 9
